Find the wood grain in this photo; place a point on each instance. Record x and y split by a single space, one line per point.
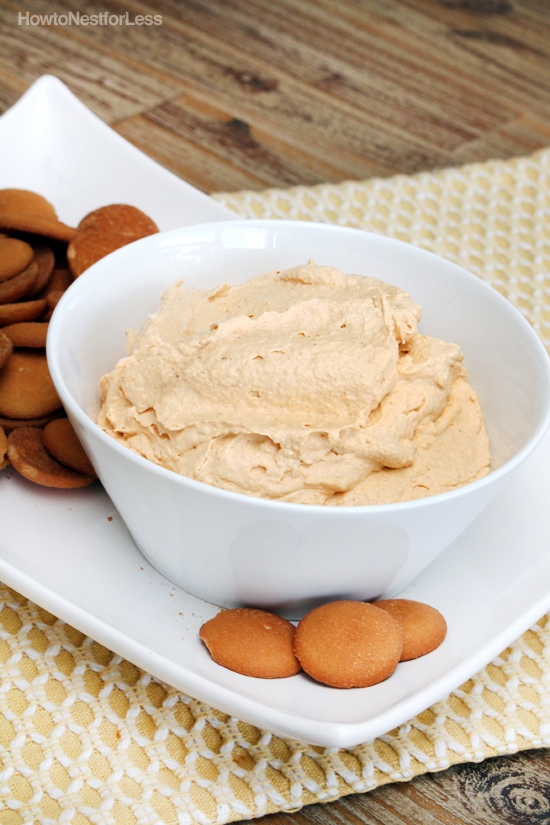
249 94
242 94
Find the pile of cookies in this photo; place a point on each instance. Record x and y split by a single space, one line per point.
40 256
342 644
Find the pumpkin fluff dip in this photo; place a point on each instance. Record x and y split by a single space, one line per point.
306 385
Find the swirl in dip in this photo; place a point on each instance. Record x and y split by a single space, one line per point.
307 385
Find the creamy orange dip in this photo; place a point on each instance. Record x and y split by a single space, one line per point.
306 386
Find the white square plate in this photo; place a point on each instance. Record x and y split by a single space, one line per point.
70 552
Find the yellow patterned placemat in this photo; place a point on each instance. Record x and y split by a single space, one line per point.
86 737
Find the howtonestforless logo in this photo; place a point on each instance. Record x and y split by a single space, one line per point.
71 18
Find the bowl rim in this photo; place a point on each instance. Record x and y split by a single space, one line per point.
74 410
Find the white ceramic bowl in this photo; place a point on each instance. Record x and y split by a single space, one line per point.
232 549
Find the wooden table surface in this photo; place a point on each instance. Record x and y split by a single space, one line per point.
250 94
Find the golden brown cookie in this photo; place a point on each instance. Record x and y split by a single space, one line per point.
27 455
37 225
19 286
23 311
118 219
6 348
252 642
424 628
22 210
25 200
89 247
15 256
62 443
27 334
348 644
4 461
103 231
26 387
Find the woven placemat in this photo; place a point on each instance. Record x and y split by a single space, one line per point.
87 737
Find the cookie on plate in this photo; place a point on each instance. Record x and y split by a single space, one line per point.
424 627
15 256
348 644
62 443
27 334
29 457
26 386
252 642
22 210
103 231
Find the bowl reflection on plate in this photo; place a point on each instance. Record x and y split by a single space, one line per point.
232 549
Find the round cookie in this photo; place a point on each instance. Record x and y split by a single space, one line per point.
103 231
26 387
15 255
23 210
89 247
27 334
25 200
118 219
424 628
37 225
19 286
23 311
348 644
251 642
62 443
27 455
